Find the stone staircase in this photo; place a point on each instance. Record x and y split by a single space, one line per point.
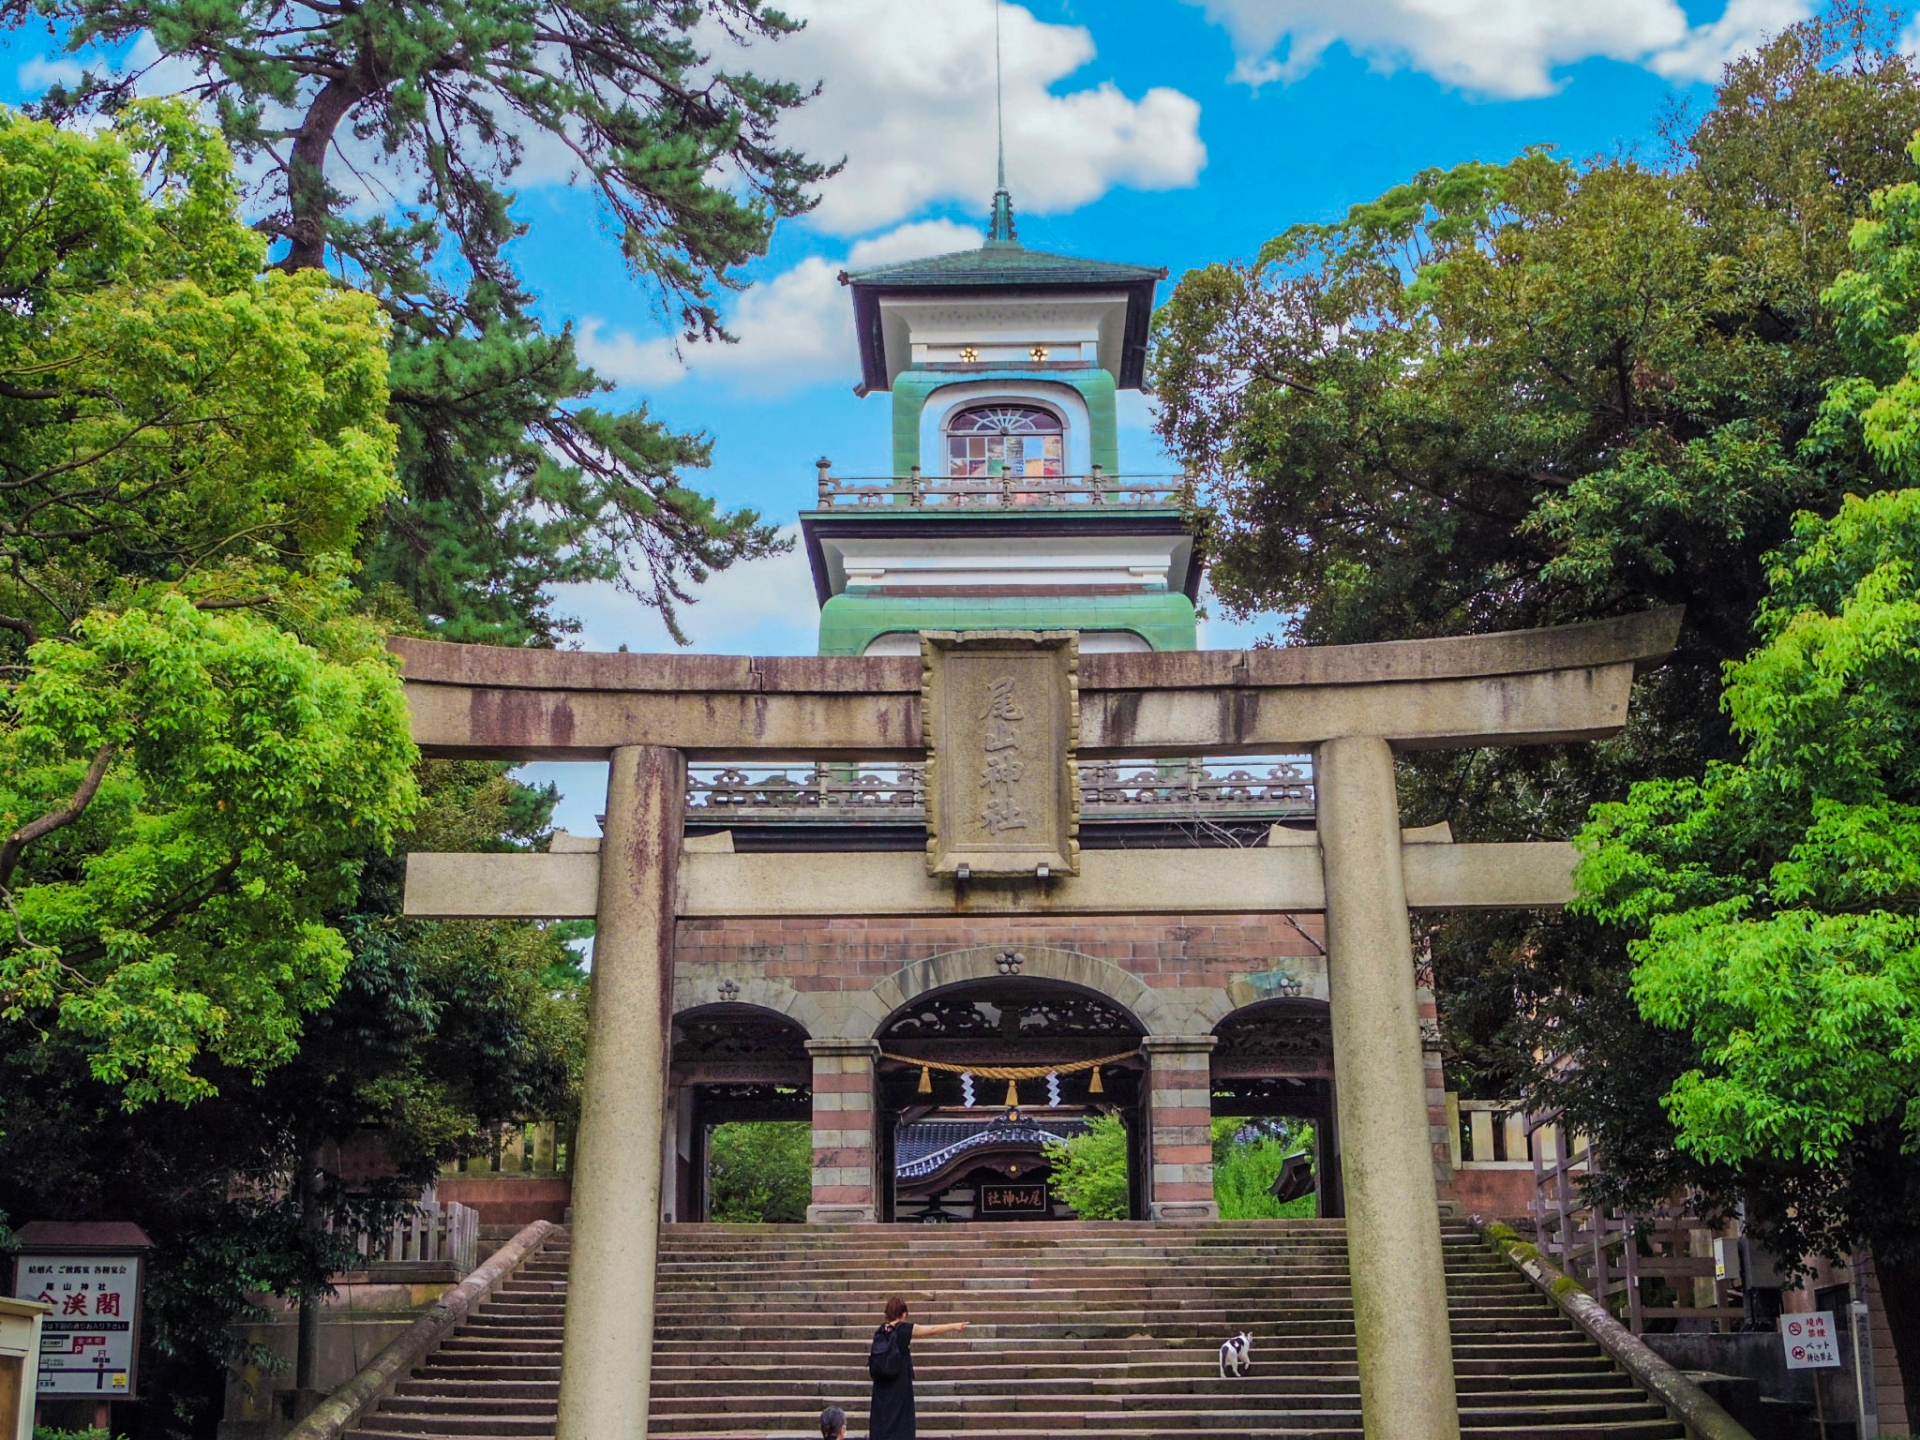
1104 1330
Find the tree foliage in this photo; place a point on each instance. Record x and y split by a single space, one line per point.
1090 1169
1507 395
385 137
1537 392
435 1032
197 741
1776 905
1247 1156
1512 395
1775 899
760 1172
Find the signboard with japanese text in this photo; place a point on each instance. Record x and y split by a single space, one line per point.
1021 1199
1001 715
89 1345
1811 1341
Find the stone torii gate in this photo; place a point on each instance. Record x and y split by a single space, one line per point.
973 700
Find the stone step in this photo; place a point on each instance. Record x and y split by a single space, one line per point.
1089 1331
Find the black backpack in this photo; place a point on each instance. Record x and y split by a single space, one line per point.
884 1360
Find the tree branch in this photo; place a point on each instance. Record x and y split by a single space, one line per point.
55 819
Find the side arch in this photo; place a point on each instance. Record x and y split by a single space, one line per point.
710 991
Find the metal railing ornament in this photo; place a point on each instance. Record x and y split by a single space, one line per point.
1004 491
896 794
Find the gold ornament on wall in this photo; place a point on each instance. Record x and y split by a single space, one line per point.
1039 352
969 353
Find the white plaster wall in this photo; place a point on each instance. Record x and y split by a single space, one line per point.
1000 328
1029 561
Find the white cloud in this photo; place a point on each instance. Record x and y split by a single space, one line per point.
1507 49
760 607
1743 25
40 71
908 98
794 329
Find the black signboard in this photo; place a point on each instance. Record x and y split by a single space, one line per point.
1013 1200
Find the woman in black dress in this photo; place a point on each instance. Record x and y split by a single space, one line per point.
891 1415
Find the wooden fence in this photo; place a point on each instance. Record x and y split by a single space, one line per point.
435 1234
1614 1254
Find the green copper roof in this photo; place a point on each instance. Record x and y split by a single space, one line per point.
1002 262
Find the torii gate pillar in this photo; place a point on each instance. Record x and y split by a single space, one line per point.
1394 1256
608 1341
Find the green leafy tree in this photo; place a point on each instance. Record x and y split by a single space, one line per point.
197 740
435 1031
1520 394
760 1172
1775 899
1509 395
1775 902
514 480
1247 1156
1090 1169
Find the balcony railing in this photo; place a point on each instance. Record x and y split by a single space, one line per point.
1172 790
1005 491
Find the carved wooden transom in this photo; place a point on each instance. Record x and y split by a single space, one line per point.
1012 1012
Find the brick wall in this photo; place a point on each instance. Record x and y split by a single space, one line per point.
1169 950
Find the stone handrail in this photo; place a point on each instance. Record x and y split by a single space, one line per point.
342 1410
1703 1416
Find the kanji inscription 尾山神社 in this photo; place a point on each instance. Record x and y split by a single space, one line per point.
1001 714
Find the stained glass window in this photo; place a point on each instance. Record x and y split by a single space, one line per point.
1022 440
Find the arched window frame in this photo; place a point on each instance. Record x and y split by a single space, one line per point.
962 442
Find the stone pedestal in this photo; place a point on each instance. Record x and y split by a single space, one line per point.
844 1180
1393 1219
1180 1121
607 1361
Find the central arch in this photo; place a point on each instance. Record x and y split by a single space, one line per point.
895 992
956 1144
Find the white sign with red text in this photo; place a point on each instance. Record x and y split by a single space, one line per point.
87 1343
1812 1342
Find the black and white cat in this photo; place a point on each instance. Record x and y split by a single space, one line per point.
1237 1355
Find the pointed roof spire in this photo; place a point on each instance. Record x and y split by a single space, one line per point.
1000 235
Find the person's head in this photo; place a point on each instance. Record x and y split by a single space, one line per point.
833 1423
896 1309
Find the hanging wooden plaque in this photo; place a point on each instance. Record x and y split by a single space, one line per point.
1001 713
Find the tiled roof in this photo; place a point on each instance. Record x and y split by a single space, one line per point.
1003 265
922 1148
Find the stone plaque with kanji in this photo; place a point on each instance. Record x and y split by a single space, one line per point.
1001 711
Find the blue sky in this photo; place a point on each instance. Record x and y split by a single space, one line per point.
1167 132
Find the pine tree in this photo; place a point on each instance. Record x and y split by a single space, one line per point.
512 480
